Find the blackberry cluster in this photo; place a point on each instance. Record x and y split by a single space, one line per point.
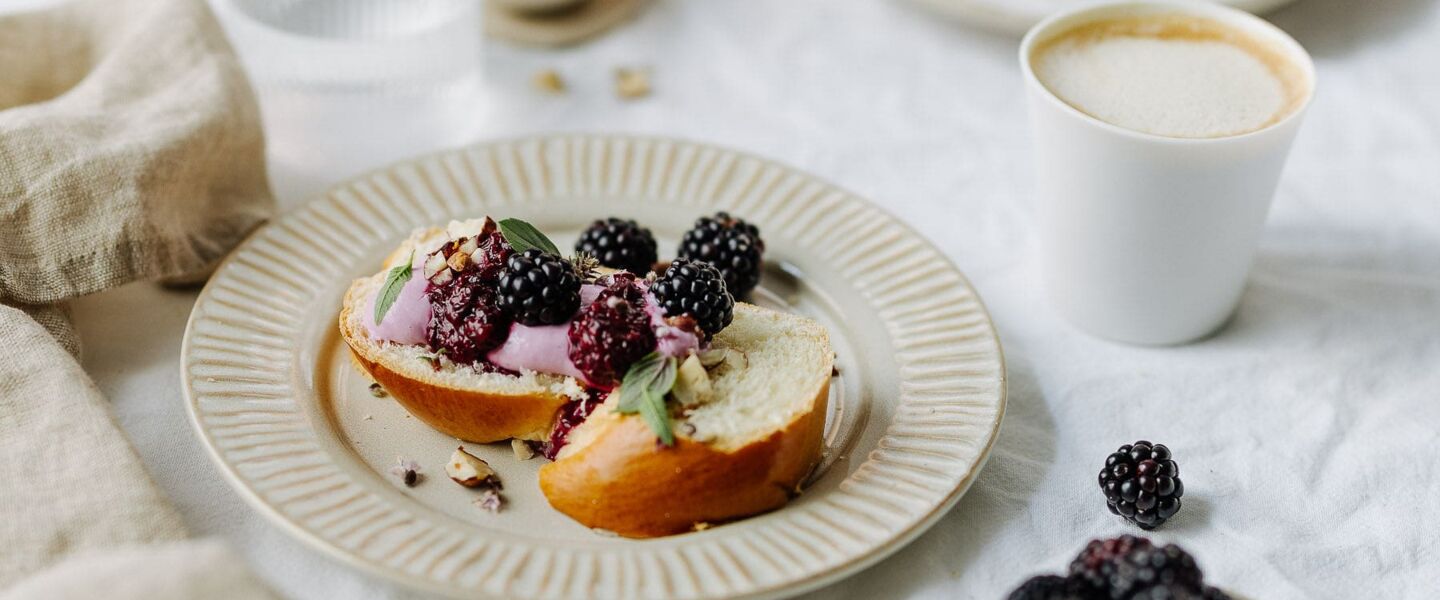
619 244
611 333
696 289
731 245
1141 482
539 288
1124 568
466 320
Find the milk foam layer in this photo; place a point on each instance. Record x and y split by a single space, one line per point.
1169 75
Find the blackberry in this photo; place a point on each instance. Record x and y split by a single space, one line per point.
731 245
1122 567
1141 482
697 289
1047 587
619 244
466 320
611 333
539 288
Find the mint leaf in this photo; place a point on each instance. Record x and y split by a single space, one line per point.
523 236
394 282
643 391
654 413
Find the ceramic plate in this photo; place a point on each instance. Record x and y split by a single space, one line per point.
1017 16
914 409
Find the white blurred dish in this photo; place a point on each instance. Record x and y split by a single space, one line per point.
1017 16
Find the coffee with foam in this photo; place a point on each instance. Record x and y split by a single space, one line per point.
1171 75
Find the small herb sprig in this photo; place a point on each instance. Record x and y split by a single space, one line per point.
523 236
643 390
395 281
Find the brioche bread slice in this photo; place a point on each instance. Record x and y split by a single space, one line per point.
456 399
741 452
744 452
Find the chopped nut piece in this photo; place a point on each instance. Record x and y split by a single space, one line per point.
433 265
469 244
470 471
730 357
631 84
378 391
458 261
549 81
692 383
522 450
701 526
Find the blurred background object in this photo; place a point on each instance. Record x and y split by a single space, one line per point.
552 23
348 85
1016 16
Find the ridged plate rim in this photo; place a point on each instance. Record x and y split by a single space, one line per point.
948 355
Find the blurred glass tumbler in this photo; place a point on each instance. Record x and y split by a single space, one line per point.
1148 238
370 46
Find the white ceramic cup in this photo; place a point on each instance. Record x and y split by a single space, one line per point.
1148 239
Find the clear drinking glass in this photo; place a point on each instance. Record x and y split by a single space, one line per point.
350 85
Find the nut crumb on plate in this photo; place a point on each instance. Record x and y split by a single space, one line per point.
471 471
522 450
632 83
549 81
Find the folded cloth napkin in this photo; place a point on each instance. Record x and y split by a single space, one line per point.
130 149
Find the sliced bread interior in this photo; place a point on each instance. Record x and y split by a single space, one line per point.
457 399
744 451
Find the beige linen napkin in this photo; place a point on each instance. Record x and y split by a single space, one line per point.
130 149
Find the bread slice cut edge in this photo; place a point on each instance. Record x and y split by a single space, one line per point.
614 476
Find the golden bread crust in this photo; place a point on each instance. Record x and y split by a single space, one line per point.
624 482
470 415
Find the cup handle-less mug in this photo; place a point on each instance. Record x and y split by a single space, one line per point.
1148 239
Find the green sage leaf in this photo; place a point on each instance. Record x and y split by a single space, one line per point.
652 409
523 236
643 390
395 280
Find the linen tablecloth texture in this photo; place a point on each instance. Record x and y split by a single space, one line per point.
1306 430
130 149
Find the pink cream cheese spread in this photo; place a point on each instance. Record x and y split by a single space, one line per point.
542 348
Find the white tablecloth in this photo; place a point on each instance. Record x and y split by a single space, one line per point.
1306 431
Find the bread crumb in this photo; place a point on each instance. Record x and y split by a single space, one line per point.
378 391
549 81
522 450
632 83
701 526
